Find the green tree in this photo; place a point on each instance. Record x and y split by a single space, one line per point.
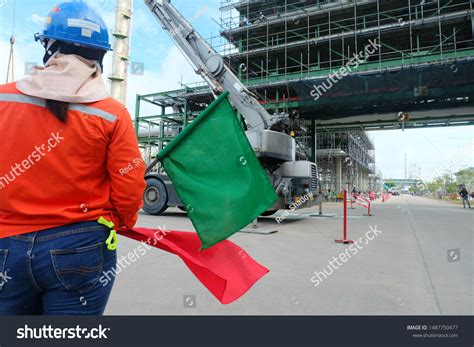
466 176
435 185
449 186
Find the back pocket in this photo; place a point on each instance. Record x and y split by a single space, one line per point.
79 269
3 272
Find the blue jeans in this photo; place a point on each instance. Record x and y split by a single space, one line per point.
466 201
56 271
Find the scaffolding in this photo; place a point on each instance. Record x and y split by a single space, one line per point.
172 111
346 159
283 49
291 38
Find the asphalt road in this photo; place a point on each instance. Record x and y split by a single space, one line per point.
418 262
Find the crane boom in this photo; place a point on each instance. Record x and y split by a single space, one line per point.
210 65
276 150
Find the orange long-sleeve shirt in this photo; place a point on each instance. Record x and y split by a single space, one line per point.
54 173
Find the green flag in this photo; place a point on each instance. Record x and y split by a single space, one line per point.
216 174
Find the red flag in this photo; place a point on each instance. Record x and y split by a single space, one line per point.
225 269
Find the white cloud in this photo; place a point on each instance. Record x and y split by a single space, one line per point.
431 149
37 19
166 76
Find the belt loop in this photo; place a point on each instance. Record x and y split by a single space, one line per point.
112 240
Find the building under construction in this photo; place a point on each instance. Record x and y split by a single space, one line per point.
338 68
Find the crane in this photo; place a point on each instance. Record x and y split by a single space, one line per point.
276 150
11 61
11 57
209 64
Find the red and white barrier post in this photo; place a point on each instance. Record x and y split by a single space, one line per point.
344 239
364 202
368 210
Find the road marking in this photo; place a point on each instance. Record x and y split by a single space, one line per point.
435 296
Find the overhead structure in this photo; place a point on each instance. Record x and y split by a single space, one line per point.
121 55
412 57
288 52
346 158
419 70
285 163
11 55
11 61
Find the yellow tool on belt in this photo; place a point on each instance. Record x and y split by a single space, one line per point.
112 240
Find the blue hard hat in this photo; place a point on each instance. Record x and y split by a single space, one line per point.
76 22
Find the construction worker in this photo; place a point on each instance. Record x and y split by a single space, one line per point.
70 173
465 196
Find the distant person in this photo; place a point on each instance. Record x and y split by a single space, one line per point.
70 142
340 196
327 195
465 197
333 196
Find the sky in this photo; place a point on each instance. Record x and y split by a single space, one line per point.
435 151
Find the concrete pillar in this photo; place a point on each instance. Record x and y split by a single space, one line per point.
356 176
349 175
314 146
123 18
338 174
365 180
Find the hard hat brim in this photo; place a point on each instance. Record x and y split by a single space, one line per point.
52 37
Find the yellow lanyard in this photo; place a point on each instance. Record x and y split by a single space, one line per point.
112 240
